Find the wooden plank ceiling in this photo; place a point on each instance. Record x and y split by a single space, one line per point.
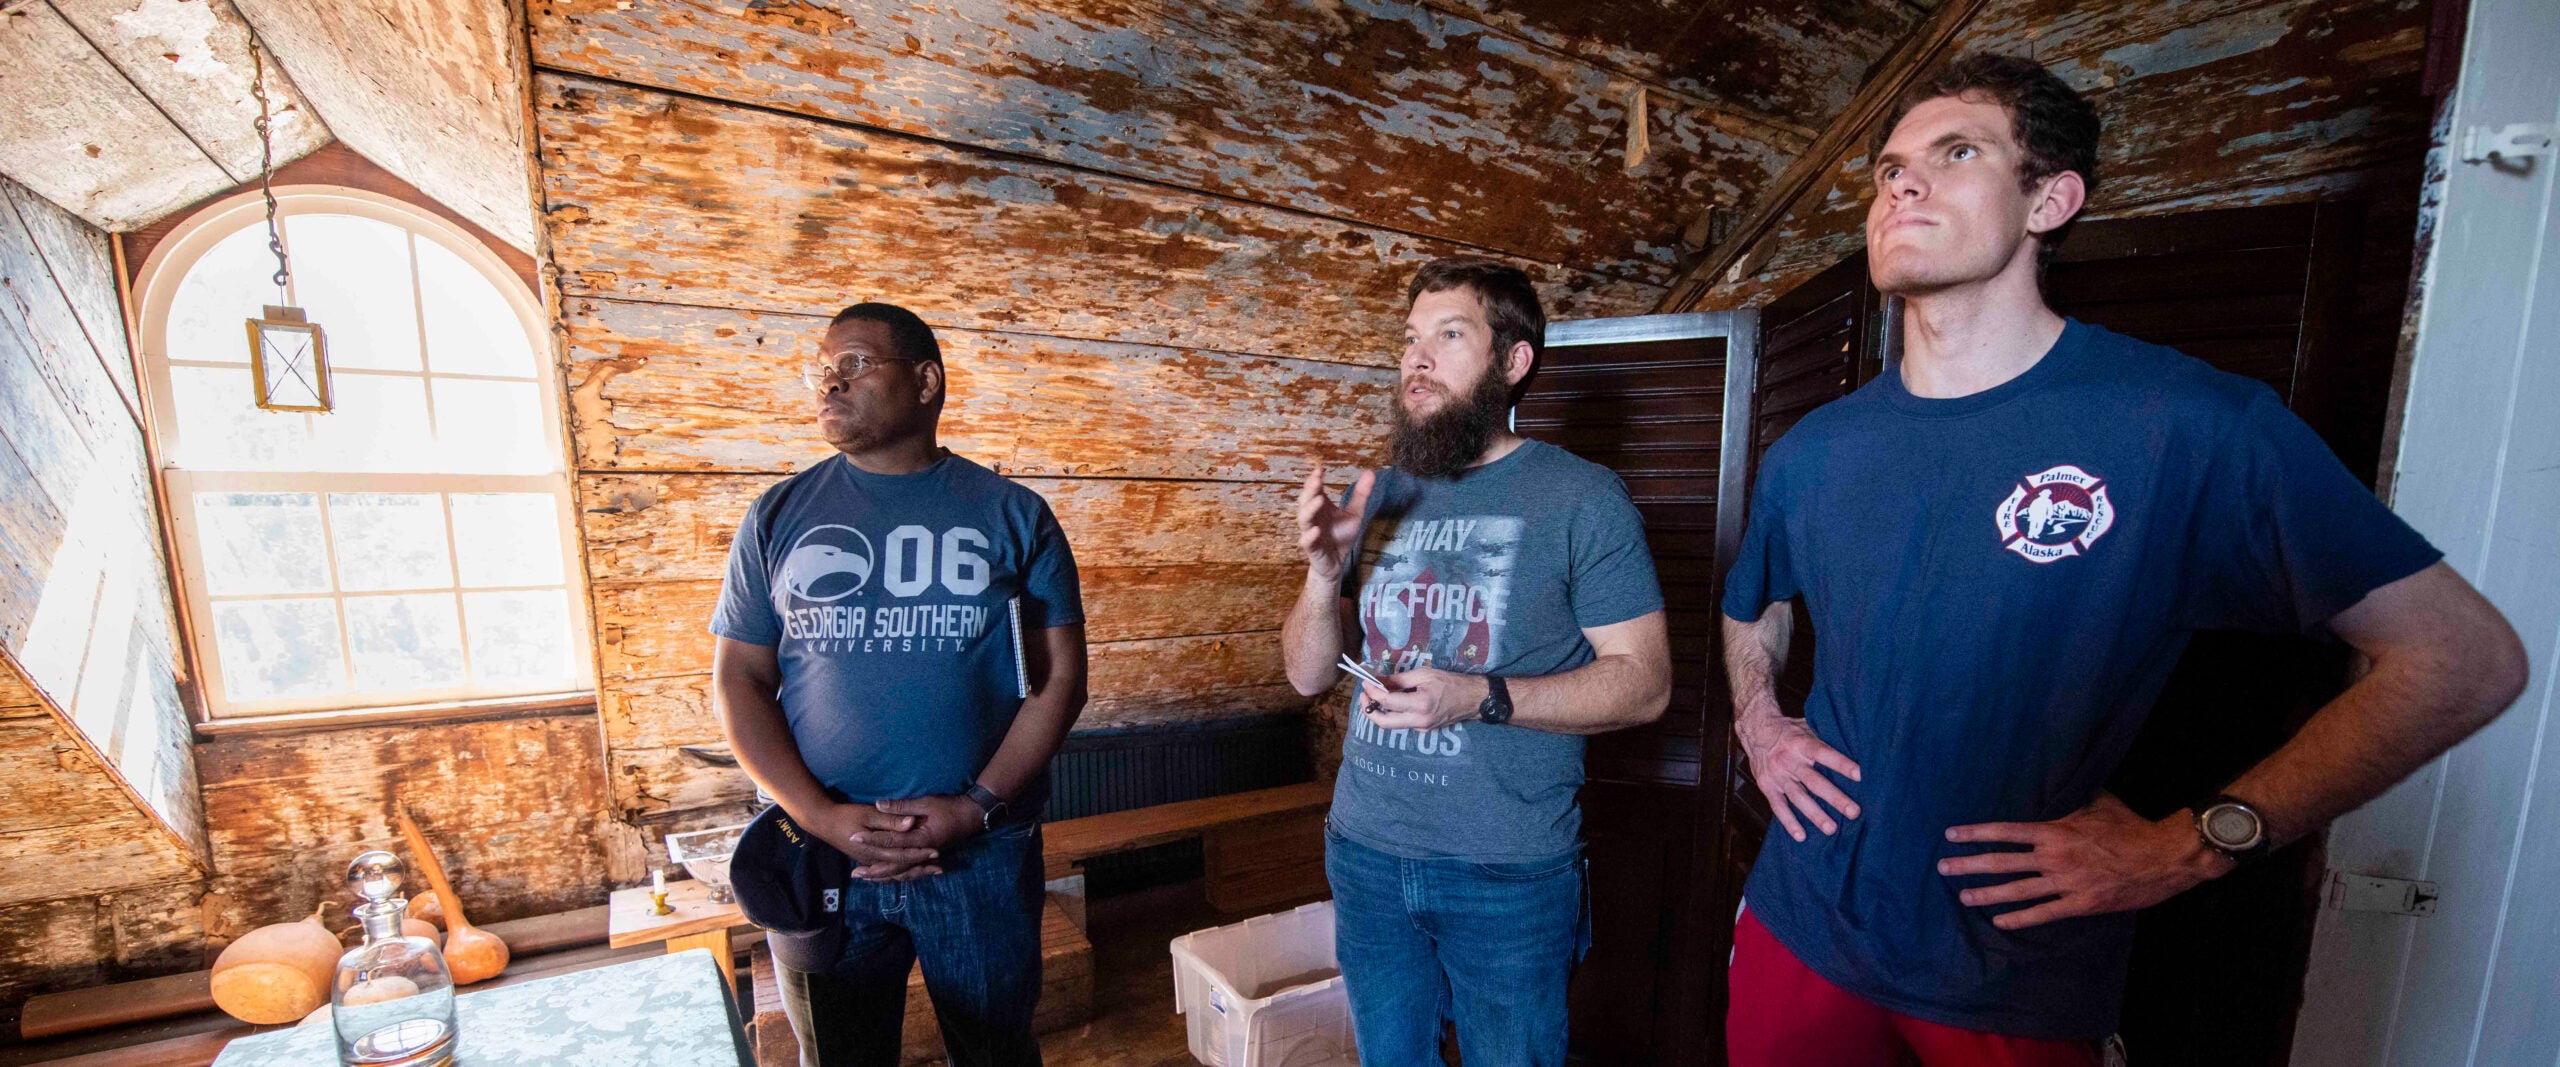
125 110
2208 103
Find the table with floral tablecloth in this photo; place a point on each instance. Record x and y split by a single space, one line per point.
663 1011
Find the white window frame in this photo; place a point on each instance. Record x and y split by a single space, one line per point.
155 288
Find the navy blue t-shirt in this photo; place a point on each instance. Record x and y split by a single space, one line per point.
898 606
1999 584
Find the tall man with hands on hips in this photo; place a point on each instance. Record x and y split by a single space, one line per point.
901 651
2004 542
1511 608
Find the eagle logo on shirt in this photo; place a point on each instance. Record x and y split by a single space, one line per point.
2055 514
827 563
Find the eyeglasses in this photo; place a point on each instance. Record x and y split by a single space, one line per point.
846 368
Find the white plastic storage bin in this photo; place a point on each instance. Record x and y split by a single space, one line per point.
1243 992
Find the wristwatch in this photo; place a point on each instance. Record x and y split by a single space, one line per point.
2231 827
987 801
1496 708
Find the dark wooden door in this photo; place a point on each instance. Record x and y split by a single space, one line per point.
1645 398
1818 343
2263 292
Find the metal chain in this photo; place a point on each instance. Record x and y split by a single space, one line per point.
267 162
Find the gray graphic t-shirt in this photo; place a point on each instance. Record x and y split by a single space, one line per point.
897 606
1496 571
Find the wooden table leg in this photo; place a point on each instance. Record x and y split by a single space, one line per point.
715 940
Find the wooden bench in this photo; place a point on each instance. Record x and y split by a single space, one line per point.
1258 848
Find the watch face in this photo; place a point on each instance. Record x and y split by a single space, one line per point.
2231 826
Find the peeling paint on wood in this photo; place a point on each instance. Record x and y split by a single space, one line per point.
83 137
675 200
1780 57
104 765
76 256
432 92
1382 112
665 387
2206 105
191 57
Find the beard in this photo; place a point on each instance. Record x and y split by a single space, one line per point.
1443 443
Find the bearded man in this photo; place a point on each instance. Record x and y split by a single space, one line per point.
1504 605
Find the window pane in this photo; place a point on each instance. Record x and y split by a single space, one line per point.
221 427
506 539
261 543
380 425
273 649
470 328
226 288
404 642
520 638
492 427
389 541
351 276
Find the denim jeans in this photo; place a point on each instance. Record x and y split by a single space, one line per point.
1490 945
975 928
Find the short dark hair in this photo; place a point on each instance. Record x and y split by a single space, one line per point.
2052 122
908 335
1510 302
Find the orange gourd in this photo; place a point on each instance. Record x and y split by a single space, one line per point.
428 906
474 954
278 973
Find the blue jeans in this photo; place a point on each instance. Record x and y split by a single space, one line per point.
975 928
1490 945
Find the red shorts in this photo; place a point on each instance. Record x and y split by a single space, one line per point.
1784 1015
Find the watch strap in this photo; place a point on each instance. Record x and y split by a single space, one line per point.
989 804
1496 708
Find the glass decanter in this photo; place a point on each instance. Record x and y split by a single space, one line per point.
392 1000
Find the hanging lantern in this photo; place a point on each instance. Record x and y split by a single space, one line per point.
288 358
290 361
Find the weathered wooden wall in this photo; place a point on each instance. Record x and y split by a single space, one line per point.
1165 246
94 761
2206 103
515 806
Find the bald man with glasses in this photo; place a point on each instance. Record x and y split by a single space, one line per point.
901 651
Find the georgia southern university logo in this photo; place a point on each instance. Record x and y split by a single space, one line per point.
2055 515
827 564
914 591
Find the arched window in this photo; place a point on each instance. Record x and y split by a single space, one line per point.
412 546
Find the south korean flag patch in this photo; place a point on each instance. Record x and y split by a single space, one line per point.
2055 514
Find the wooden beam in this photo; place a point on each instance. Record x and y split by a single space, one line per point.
1920 49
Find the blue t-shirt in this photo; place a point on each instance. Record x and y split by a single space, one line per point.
898 606
1999 584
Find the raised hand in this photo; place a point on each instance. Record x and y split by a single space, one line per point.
1326 530
1784 756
